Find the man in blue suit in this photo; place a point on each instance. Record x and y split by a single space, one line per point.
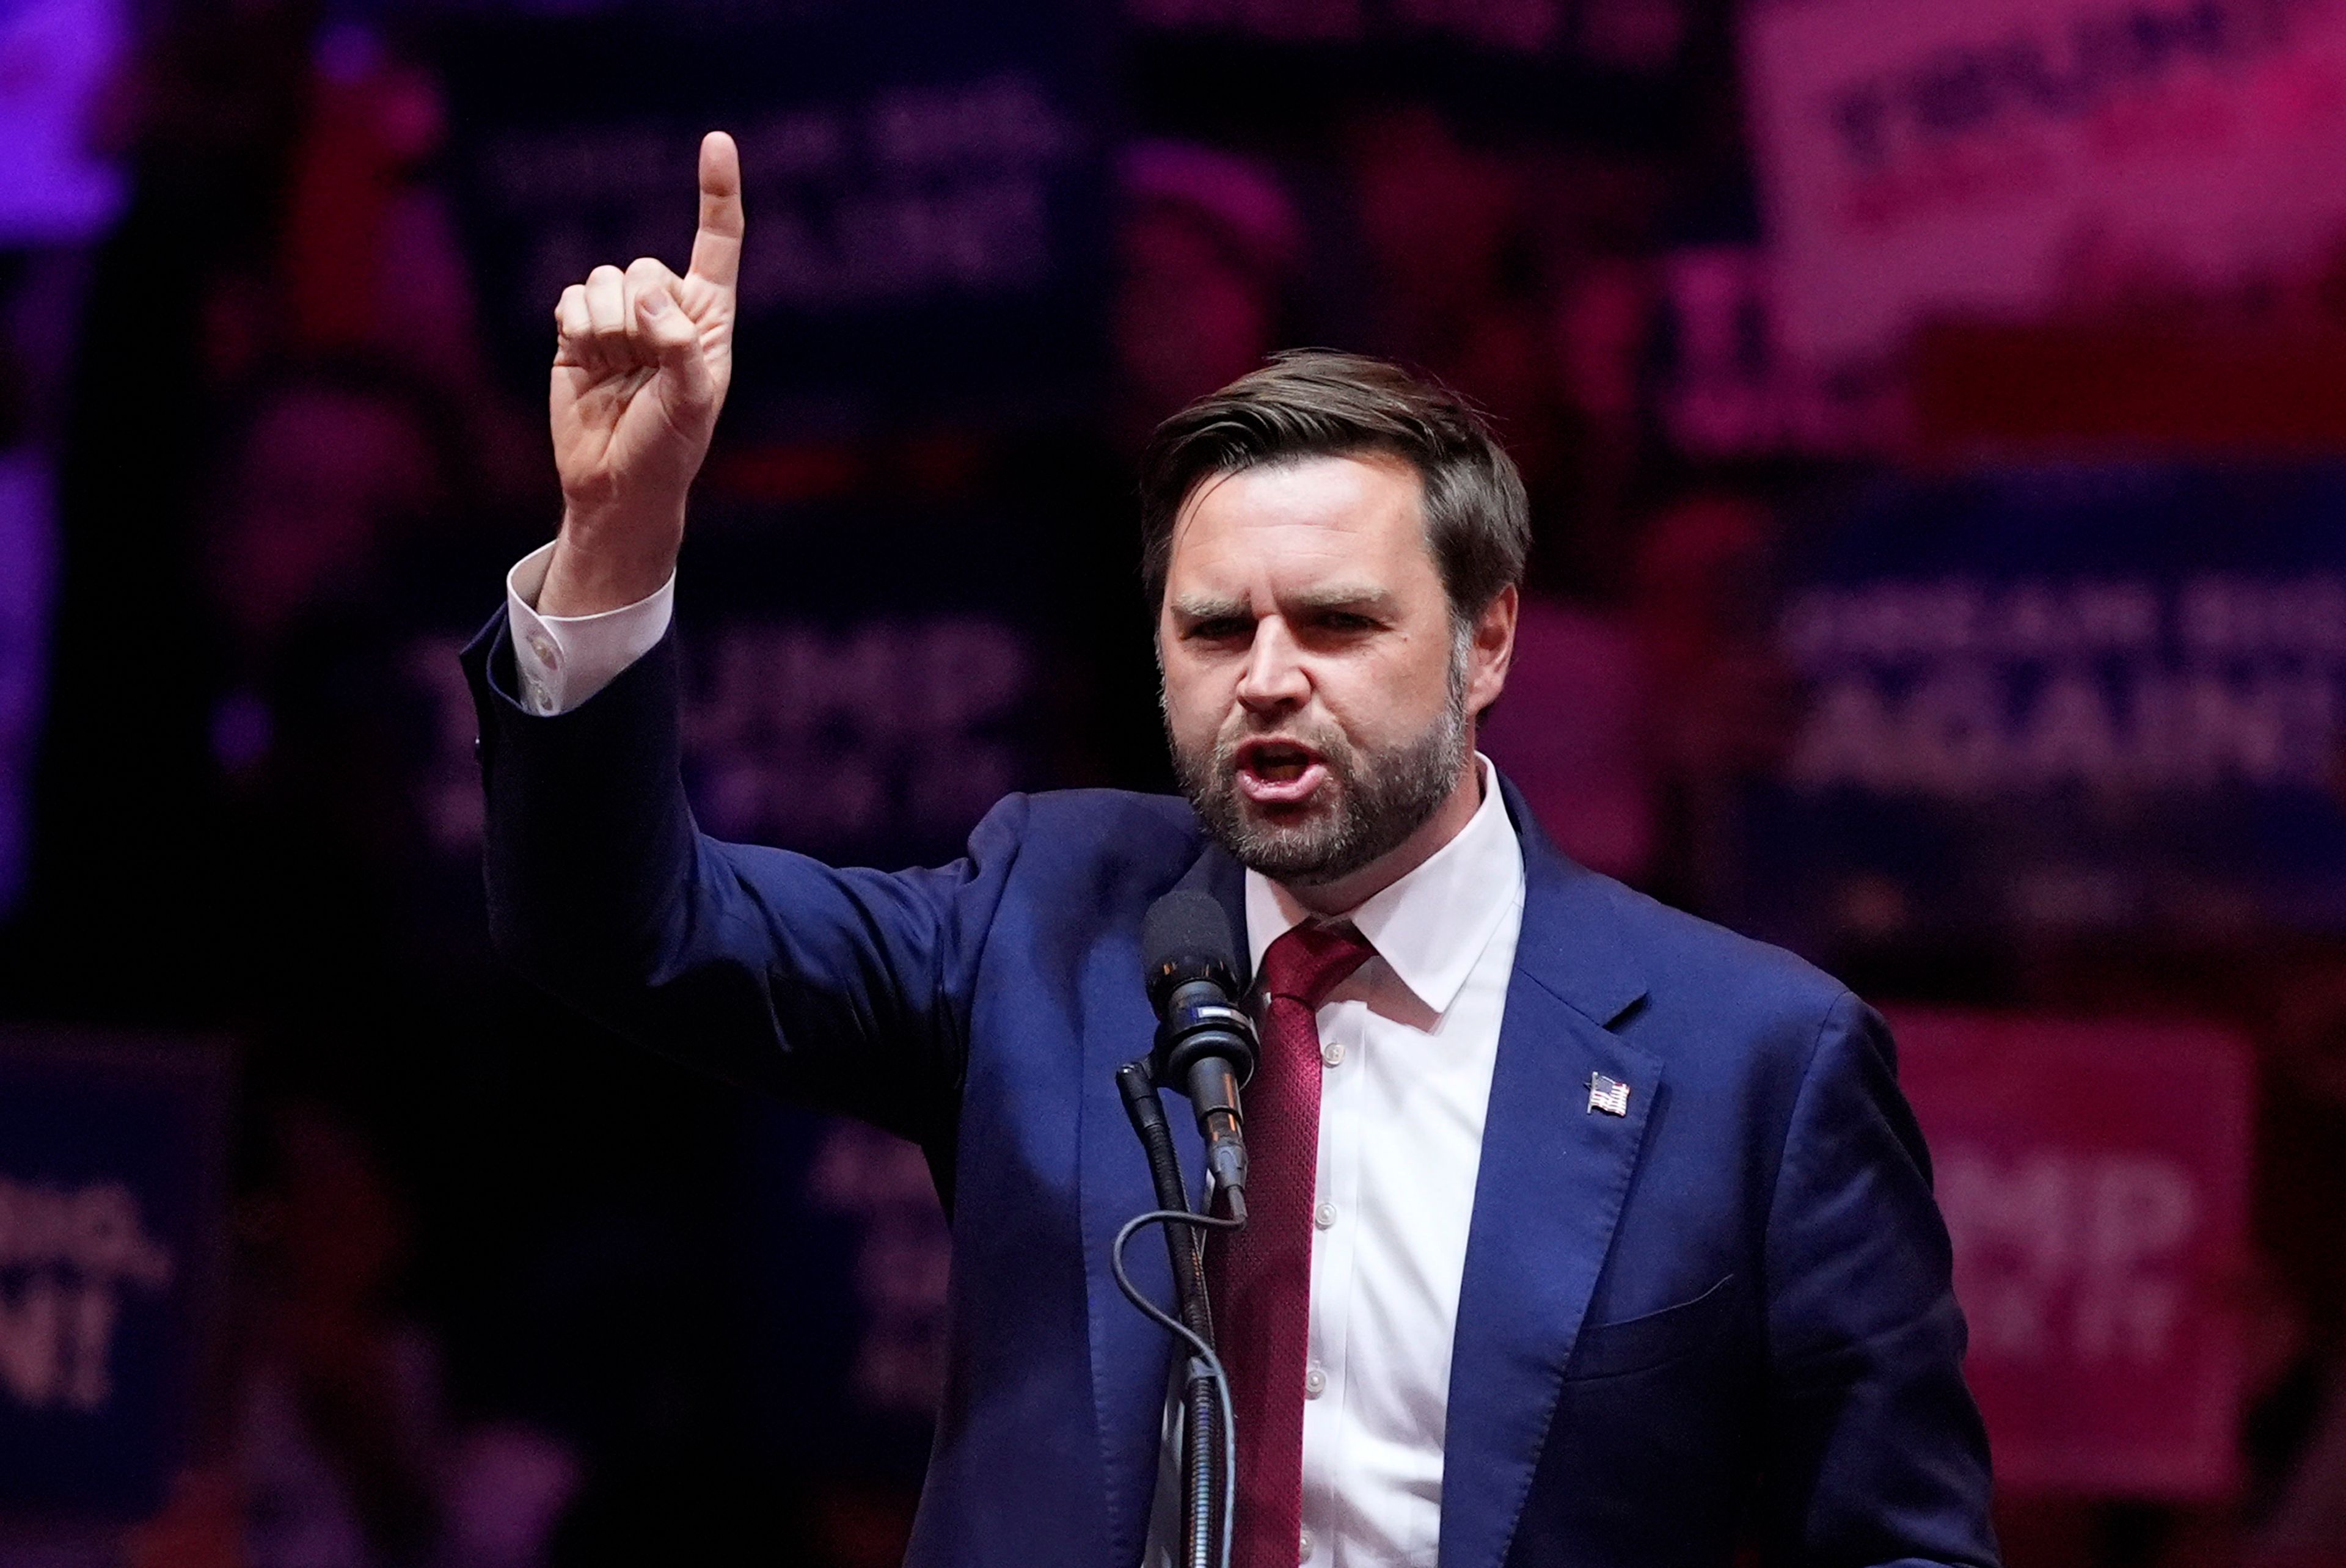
1583 1232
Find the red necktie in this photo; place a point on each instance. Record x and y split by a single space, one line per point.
1260 1277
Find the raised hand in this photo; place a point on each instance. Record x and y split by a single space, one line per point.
640 369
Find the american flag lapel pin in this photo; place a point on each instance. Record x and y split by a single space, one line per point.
1610 1096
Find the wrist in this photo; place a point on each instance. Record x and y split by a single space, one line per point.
600 564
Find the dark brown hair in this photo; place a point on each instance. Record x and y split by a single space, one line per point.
1316 402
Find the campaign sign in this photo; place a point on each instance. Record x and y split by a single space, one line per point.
869 717
2060 701
864 682
2094 1180
923 181
1984 158
110 1161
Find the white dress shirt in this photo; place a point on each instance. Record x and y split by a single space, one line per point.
1409 1042
562 660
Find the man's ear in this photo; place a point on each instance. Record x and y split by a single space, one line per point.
1491 649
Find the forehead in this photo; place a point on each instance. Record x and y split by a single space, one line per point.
1304 516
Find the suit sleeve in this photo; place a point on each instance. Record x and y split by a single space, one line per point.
1875 1454
846 988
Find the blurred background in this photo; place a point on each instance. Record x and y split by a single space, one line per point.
1934 418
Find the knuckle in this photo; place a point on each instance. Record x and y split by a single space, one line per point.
604 274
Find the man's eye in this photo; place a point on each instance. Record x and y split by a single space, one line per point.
1345 621
1221 629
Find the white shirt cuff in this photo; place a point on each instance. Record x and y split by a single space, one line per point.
562 660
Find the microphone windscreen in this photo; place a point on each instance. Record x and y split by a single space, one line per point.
1187 936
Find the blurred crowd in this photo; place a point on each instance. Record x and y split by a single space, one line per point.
501 1290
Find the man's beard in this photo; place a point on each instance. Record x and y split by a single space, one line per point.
1379 797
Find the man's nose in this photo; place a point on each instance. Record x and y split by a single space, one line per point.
1274 677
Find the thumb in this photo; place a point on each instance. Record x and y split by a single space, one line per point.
684 382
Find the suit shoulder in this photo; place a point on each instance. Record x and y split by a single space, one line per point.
1114 811
1101 826
1694 964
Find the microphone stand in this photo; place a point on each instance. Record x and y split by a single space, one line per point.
1203 1484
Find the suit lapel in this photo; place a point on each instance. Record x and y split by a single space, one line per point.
1131 1358
1552 1180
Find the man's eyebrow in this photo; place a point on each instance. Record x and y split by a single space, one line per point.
1207 606
1357 599
1364 600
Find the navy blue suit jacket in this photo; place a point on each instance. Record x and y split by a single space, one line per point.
1725 1313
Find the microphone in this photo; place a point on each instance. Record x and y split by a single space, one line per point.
1205 1041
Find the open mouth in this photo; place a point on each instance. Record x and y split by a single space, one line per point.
1279 772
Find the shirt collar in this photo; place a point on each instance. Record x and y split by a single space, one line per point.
1430 926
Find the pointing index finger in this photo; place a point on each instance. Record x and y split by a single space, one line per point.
717 248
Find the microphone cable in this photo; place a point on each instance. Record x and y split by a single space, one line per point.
1199 1350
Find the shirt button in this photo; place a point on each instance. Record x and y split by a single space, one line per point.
540 698
1324 1216
1303 1547
1332 1052
1315 1382
547 654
